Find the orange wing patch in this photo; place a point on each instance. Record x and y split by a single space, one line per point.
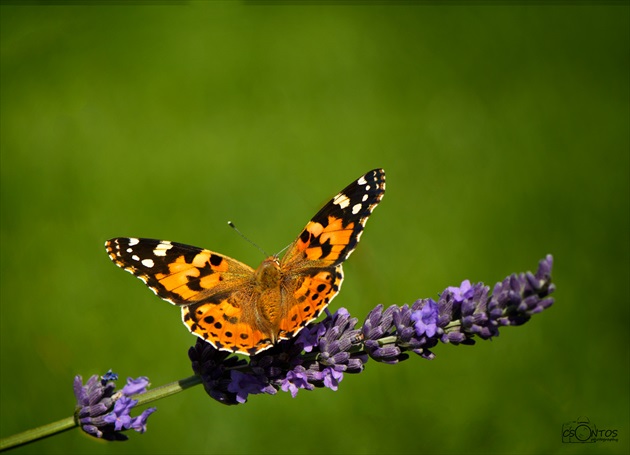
220 324
188 279
309 296
325 243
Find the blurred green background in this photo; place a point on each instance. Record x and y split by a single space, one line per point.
504 133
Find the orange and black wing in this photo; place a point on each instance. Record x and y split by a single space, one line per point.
180 274
334 232
313 263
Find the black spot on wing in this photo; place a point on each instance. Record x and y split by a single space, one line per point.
188 252
215 260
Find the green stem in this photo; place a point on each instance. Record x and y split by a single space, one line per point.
37 433
166 390
387 340
68 423
453 324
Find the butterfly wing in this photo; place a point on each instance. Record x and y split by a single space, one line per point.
312 264
308 293
222 323
334 232
180 274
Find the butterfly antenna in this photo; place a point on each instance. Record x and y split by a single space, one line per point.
247 239
283 249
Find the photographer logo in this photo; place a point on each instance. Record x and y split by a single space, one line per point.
582 430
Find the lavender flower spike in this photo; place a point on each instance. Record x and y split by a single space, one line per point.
473 311
103 413
322 352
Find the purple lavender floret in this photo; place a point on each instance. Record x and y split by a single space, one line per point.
338 342
308 338
378 330
243 384
343 348
322 352
103 413
214 366
425 319
296 379
120 416
135 386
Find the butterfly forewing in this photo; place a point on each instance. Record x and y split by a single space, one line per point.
334 232
178 273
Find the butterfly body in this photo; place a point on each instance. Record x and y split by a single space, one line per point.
239 309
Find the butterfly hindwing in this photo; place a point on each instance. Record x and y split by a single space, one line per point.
220 323
309 294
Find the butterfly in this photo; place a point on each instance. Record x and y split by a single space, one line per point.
236 308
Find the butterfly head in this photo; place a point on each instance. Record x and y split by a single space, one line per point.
268 273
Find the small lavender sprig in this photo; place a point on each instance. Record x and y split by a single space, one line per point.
103 413
323 352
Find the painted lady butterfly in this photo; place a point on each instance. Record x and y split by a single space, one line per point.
239 309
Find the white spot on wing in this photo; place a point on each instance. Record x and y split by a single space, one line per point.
135 258
356 208
341 200
148 263
133 241
162 248
362 181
